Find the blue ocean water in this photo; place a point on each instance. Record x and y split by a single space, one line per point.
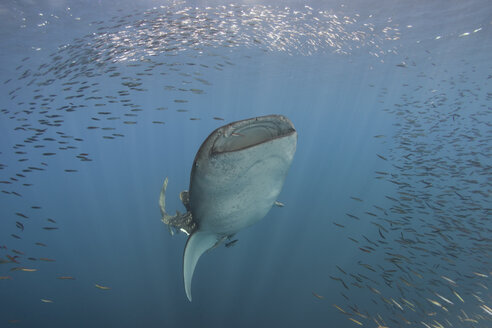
386 220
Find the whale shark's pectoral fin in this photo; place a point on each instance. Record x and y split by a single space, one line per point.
198 243
166 218
180 222
162 198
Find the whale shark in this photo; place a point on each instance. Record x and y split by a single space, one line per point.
237 175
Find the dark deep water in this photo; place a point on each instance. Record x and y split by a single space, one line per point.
387 217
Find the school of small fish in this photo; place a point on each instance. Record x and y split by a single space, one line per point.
433 232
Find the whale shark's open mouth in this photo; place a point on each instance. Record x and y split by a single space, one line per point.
251 132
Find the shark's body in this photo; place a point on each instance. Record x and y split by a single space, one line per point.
237 175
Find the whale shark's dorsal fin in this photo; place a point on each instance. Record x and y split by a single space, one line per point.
198 243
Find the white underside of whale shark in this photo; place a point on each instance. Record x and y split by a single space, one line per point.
237 174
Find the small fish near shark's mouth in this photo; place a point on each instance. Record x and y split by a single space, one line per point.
249 133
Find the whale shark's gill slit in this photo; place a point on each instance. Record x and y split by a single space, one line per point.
198 243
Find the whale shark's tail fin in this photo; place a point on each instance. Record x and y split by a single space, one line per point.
198 243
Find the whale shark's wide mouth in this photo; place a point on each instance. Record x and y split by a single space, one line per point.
251 132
